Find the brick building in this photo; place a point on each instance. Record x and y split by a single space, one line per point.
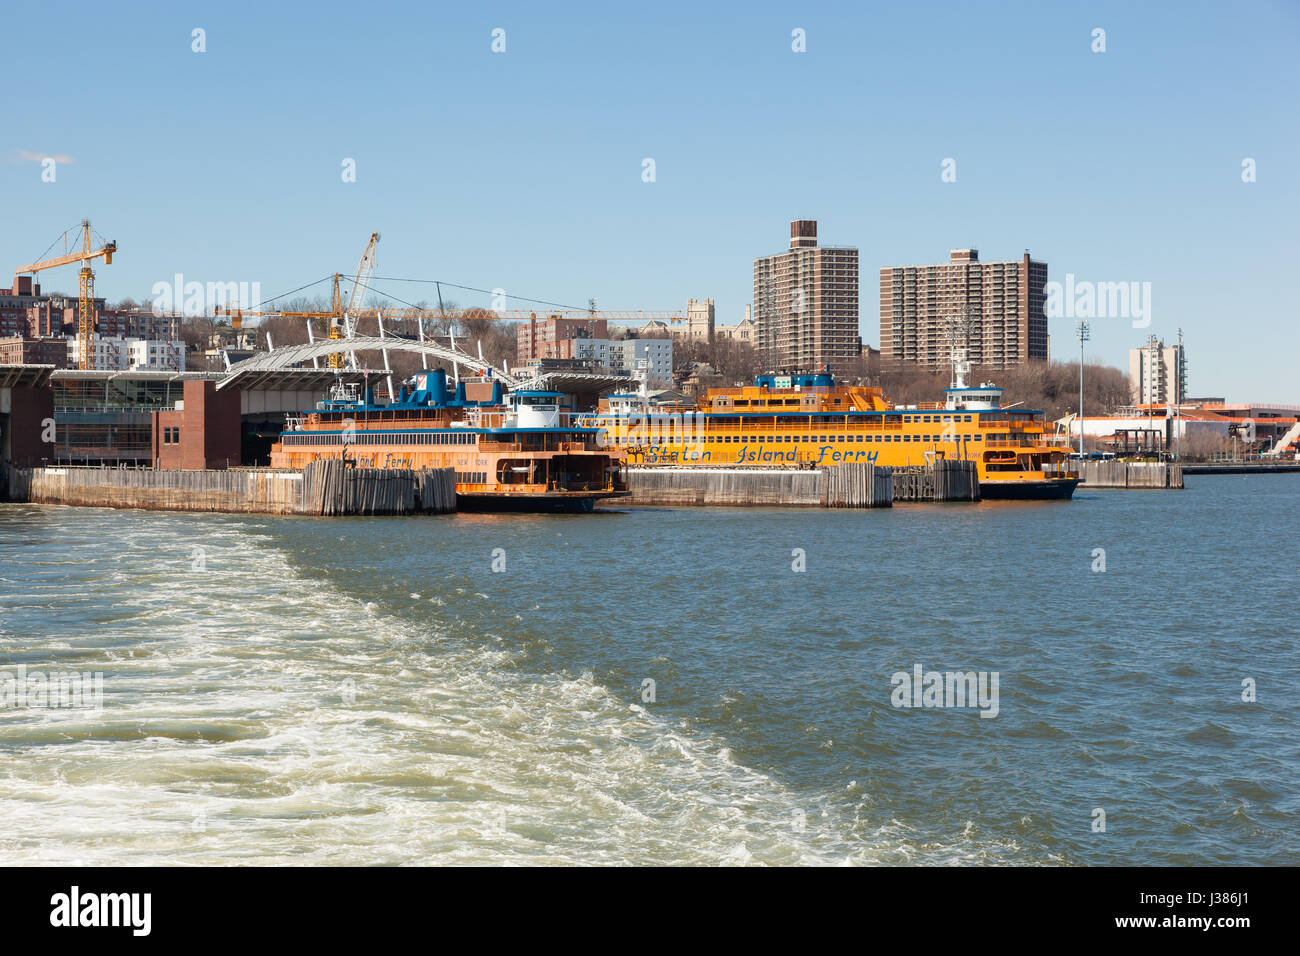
806 303
552 337
1000 304
203 433
26 411
21 350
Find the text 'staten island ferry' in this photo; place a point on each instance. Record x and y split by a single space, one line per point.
806 420
516 452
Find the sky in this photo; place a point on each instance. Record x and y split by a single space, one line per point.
525 169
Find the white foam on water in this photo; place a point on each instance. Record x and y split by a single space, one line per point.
255 715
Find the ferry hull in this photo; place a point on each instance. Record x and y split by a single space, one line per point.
1055 489
552 503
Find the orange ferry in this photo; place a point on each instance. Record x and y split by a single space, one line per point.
516 452
806 420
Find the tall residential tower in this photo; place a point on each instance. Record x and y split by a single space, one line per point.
806 303
995 310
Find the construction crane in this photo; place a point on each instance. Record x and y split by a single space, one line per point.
85 286
343 317
356 296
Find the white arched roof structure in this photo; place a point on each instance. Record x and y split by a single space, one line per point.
293 355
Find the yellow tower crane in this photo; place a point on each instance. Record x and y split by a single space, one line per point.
85 286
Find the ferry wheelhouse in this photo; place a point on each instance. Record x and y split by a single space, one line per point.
512 452
807 420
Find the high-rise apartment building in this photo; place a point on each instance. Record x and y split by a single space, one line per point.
806 303
995 310
1157 373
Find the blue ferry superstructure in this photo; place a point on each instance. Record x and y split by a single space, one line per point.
511 452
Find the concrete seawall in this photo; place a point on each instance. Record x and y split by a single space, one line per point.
857 485
322 488
1127 474
722 487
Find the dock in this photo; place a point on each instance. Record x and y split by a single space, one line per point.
322 488
1240 467
1125 474
857 485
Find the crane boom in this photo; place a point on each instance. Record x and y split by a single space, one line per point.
85 287
356 296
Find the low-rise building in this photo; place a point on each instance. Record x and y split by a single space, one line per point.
123 354
22 350
628 355
553 336
742 331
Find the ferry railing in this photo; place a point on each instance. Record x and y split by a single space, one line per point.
1023 443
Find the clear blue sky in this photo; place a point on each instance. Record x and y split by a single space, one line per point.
523 170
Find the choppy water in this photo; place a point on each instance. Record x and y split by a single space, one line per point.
369 690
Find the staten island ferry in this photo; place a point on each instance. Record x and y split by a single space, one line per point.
807 420
512 452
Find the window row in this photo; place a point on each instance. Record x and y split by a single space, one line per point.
831 439
364 437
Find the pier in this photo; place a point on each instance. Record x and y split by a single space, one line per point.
321 488
943 480
856 485
1240 467
1125 474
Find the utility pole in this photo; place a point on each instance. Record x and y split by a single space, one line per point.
1082 330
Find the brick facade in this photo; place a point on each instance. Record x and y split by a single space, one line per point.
205 433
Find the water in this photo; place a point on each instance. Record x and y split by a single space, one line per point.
369 690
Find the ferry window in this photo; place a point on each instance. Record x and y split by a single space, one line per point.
925 418
967 418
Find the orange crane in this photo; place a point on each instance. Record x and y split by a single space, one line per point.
85 286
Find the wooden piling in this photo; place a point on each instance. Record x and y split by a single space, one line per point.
1114 473
321 488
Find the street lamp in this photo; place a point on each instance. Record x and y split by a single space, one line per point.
1082 331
